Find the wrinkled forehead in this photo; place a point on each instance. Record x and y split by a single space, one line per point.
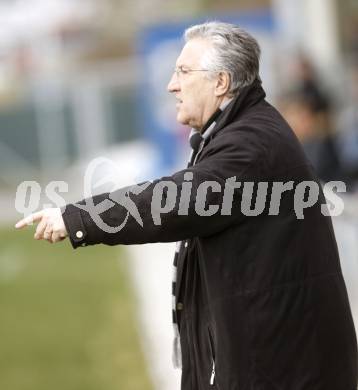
193 52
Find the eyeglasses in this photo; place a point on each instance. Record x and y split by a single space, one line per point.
180 71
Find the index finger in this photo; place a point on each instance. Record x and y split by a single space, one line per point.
29 220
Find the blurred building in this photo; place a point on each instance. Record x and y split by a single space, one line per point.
69 69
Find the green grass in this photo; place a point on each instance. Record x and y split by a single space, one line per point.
67 318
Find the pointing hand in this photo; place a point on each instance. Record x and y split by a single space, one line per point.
50 225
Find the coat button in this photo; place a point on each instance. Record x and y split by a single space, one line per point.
79 234
180 306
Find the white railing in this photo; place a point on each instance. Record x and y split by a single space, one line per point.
346 229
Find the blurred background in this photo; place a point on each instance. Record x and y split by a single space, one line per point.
82 79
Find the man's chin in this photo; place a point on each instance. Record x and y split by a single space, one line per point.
183 120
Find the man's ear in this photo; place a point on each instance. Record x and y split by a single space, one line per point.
222 84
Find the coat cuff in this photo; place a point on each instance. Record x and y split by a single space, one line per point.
75 226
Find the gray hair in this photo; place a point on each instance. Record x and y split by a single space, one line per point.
234 51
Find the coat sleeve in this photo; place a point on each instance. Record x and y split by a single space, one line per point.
187 204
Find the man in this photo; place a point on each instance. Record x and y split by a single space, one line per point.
260 301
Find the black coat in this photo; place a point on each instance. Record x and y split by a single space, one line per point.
262 297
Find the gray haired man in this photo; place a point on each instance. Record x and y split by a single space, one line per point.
260 301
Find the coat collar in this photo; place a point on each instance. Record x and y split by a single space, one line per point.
248 96
225 114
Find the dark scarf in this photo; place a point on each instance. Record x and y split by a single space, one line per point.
197 140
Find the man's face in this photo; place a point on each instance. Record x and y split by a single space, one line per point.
195 92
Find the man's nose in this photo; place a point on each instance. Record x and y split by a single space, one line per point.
173 84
